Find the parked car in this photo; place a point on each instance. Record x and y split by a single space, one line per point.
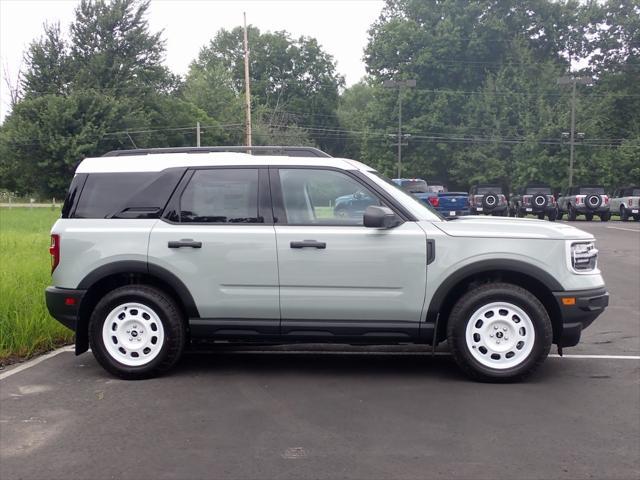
416 187
157 251
451 204
489 199
588 200
535 199
626 203
352 205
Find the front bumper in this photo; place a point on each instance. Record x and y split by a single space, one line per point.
64 305
579 313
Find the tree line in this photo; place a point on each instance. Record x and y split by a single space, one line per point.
486 106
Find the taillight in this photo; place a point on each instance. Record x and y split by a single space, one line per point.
580 199
434 201
54 251
526 199
606 199
502 199
630 202
551 199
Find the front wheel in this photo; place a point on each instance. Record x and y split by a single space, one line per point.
137 331
499 332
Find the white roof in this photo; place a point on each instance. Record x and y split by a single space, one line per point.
156 162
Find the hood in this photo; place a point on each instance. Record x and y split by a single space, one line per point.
497 227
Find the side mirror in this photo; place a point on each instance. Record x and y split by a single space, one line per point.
380 217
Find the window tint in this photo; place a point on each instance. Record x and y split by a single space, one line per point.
221 196
106 193
323 197
483 190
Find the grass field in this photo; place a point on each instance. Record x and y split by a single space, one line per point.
25 325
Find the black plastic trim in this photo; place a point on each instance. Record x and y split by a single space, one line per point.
515 266
431 250
285 150
575 318
133 266
58 309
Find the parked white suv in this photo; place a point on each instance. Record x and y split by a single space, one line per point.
626 203
159 249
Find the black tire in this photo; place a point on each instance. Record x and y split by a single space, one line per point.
461 315
636 218
559 215
553 214
167 311
490 201
588 216
541 216
605 217
624 215
571 214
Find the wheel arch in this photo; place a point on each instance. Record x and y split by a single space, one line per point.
534 279
129 272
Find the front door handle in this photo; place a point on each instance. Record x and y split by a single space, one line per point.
308 244
184 243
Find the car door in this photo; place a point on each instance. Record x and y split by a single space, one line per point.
337 276
217 237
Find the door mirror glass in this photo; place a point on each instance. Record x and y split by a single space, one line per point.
380 217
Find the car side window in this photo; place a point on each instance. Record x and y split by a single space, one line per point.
323 197
221 196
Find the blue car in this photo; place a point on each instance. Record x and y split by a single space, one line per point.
353 205
416 187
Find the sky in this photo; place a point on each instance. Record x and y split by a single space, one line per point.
340 26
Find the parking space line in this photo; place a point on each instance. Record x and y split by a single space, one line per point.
35 361
625 229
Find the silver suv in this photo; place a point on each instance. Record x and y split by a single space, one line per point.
157 251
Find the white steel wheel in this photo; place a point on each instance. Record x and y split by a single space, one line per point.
133 334
500 335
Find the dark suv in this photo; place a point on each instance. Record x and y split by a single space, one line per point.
535 199
488 198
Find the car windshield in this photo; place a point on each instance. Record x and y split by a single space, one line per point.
483 190
534 190
414 186
596 190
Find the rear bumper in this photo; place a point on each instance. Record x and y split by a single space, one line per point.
64 305
481 210
577 316
595 211
452 212
534 209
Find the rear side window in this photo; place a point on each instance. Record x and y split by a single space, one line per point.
588 190
221 196
106 193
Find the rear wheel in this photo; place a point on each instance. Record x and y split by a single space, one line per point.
571 215
588 216
137 331
541 216
499 332
605 217
636 218
624 216
553 214
560 214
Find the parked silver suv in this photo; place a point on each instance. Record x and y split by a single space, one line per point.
156 251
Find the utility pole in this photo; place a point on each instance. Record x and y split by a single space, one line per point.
572 134
247 87
197 134
399 84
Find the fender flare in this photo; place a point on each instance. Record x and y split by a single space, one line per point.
136 266
508 265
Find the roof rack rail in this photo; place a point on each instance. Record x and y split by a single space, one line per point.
290 151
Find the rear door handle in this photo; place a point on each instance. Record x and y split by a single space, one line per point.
184 243
308 244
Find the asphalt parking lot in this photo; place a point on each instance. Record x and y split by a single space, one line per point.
342 412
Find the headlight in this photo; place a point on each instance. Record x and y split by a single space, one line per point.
583 257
